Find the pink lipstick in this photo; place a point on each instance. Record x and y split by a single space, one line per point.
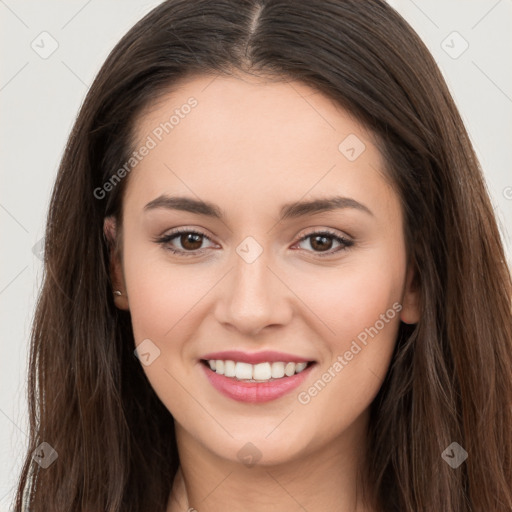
256 392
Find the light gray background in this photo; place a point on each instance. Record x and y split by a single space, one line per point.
40 97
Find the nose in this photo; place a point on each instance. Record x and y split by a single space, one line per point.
254 297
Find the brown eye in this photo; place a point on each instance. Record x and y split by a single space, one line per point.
191 241
322 242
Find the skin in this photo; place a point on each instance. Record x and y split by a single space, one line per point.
251 146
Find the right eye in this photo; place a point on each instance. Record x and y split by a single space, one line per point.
188 238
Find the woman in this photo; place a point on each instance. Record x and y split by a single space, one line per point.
274 280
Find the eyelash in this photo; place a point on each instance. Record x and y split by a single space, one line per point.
164 240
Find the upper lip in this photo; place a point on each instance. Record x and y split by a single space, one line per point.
255 357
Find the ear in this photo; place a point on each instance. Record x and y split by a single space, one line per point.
116 269
410 313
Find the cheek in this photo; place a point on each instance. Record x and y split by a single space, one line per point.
158 290
357 311
164 302
351 295
162 295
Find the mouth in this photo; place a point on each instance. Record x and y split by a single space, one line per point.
236 380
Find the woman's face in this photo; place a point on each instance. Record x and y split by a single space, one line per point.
251 281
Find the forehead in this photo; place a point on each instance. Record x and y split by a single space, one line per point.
248 111
246 139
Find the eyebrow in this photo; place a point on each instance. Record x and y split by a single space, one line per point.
288 211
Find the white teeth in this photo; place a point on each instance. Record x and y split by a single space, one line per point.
219 366
229 368
277 370
262 371
255 372
243 371
300 366
289 369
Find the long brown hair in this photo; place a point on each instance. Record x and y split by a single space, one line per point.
450 377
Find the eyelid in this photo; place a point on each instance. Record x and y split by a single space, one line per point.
321 230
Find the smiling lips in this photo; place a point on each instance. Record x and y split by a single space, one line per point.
256 377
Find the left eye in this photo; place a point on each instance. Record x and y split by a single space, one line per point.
320 239
191 242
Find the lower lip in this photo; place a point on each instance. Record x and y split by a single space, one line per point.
255 392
